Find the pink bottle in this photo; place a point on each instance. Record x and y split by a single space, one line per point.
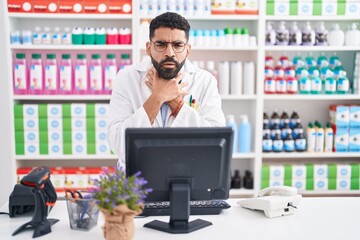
95 76
289 72
66 75
51 75
269 61
124 36
81 75
279 71
20 77
110 72
36 75
269 72
124 60
291 85
280 85
270 85
112 36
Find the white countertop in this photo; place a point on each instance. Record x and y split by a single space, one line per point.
317 218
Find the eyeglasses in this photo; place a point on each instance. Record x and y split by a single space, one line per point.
177 46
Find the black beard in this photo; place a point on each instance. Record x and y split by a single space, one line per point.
167 73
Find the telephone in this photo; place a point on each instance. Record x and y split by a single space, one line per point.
274 201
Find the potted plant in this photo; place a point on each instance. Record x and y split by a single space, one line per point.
119 198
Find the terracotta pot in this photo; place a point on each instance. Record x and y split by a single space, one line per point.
120 224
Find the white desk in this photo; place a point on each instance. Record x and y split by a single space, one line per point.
317 218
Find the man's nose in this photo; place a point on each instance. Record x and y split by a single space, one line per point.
169 50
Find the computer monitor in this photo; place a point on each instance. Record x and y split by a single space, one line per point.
181 164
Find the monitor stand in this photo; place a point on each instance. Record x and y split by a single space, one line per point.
179 211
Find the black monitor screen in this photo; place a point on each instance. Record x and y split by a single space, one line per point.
198 158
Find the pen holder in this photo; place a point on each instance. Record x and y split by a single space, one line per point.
83 213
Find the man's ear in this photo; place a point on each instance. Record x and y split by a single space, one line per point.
188 50
148 48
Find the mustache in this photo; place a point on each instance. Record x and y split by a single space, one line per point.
169 59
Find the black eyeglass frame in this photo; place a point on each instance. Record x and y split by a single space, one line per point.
172 45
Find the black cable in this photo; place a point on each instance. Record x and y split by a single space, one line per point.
4 213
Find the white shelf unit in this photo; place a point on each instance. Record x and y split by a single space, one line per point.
252 105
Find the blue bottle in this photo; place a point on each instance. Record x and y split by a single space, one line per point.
244 134
230 122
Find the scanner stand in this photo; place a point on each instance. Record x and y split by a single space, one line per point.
39 222
179 212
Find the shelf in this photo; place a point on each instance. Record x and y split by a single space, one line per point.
66 157
229 17
288 48
71 16
322 97
71 47
312 18
60 97
329 193
211 48
292 155
238 97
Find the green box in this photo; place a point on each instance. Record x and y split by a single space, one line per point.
42 108
309 184
91 148
19 148
18 111
19 137
270 8
355 170
310 171
287 172
19 124
354 183
67 148
332 171
265 173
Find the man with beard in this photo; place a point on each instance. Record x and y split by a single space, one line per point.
165 90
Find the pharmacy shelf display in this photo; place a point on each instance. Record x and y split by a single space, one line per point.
250 99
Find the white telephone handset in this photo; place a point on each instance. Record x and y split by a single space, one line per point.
274 201
278 190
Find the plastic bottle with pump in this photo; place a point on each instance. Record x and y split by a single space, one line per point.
336 36
95 76
57 36
36 74
321 33
316 84
51 75
295 35
66 36
232 123
311 137
46 36
330 84
282 34
65 75
270 37
244 134
352 36
343 83
110 71
308 35
21 84
329 138
37 35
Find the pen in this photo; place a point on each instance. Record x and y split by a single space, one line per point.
190 101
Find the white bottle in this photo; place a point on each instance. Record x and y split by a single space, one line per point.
66 36
311 137
37 36
295 35
352 36
249 78
224 78
270 37
329 138
282 35
308 35
57 36
319 145
46 36
230 122
210 66
236 78
336 36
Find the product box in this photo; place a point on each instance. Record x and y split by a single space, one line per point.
299 184
79 148
101 110
340 116
55 148
30 111
354 140
55 136
78 136
70 6
343 184
223 7
320 184
55 124
76 178
20 5
305 8
101 124
282 7
31 124
248 7
102 148
329 7
320 171
78 110
31 149
31 136
95 6
276 182
341 140
354 117
54 111
58 178
352 8
78 124
298 172
120 6
101 137
45 6
277 172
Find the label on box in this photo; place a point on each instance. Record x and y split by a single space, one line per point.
101 110
298 171
54 110
55 136
343 171
31 137
277 172
320 171
354 140
55 148
101 124
79 148
320 184
276 182
282 8
305 8
78 136
78 110
78 124
352 8
55 124
31 149
299 184
341 143
329 8
30 111
343 184
31 124
102 148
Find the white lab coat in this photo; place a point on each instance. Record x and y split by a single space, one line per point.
130 92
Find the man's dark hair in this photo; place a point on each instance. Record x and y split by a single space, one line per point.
169 20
